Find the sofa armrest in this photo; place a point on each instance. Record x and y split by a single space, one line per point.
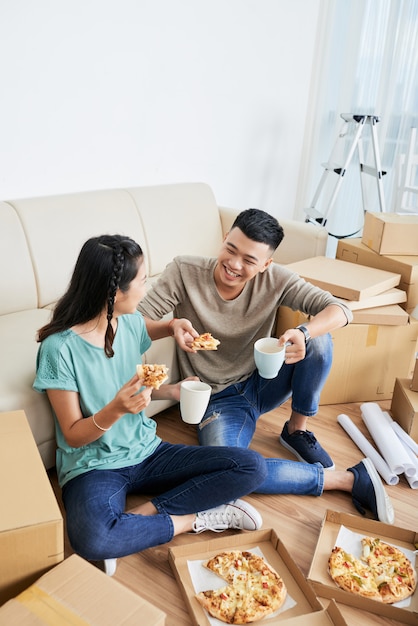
302 240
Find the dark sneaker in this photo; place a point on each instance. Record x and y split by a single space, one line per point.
237 514
303 444
369 493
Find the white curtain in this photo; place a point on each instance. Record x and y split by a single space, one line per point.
368 64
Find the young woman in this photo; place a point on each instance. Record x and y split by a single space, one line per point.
107 447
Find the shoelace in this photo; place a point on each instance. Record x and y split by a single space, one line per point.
308 436
220 518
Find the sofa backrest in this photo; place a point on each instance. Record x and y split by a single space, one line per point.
43 236
178 219
57 226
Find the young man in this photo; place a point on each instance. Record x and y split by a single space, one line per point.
235 297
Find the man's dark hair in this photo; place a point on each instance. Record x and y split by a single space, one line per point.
259 226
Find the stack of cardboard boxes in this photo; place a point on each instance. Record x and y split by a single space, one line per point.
377 276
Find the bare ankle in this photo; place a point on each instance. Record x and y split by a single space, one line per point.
297 421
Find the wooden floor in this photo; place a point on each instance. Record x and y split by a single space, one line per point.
296 519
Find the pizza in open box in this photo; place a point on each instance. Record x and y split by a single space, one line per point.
254 588
383 572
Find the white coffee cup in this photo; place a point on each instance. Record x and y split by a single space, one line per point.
269 356
194 399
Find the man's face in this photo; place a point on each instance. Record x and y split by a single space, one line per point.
239 260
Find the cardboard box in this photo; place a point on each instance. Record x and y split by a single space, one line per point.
391 233
414 382
76 592
324 585
392 315
404 407
354 251
344 279
386 298
31 524
307 604
367 358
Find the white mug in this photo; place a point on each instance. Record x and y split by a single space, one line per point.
194 399
269 356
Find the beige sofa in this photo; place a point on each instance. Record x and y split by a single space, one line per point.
40 239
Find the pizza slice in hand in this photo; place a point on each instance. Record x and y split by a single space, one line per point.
152 375
205 342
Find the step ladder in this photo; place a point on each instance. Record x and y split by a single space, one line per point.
332 169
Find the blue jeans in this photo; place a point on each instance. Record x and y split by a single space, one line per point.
232 414
182 479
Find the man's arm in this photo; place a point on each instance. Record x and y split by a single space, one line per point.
330 318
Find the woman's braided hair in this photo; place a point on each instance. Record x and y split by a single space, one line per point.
104 265
118 263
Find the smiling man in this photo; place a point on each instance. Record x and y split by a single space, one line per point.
235 297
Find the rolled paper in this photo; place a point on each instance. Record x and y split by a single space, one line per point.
412 480
404 437
410 446
366 447
391 448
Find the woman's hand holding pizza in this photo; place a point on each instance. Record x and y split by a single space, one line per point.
129 398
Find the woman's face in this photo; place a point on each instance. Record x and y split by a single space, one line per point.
127 301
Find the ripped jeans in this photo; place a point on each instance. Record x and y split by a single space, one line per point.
232 414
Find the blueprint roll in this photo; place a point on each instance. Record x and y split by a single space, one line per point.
361 442
391 448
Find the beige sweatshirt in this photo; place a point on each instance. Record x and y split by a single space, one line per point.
187 288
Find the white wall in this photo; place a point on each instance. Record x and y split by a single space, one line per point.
110 93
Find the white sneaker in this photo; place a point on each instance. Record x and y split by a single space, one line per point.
110 566
237 514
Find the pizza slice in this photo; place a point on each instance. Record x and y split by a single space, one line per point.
351 574
152 375
205 342
220 603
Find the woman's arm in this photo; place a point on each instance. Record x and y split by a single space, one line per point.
79 430
181 329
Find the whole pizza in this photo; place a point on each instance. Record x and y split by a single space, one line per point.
383 572
254 588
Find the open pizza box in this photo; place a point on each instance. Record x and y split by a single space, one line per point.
301 603
335 523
